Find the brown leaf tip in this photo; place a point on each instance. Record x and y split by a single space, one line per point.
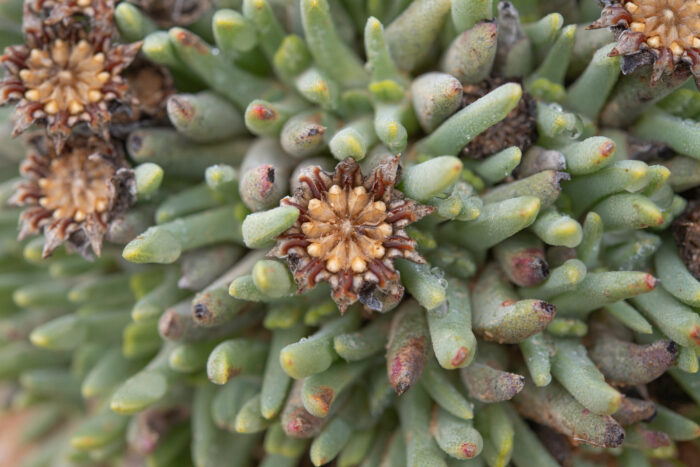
350 229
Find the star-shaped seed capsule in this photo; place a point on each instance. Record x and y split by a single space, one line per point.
350 230
73 196
65 81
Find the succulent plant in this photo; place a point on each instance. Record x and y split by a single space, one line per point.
428 232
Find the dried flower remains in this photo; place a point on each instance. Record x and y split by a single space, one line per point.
665 32
73 196
350 230
65 81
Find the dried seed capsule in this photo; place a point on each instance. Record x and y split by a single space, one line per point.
664 43
354 253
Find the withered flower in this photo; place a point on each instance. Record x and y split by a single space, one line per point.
519 128
149 87
74 195
349 231
665 32
64 81
169 13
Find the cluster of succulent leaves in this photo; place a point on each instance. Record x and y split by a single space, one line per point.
552 321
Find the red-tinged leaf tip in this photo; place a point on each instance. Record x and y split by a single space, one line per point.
323 398
263 112
469 450
651 281
460 356
607 149
695 334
